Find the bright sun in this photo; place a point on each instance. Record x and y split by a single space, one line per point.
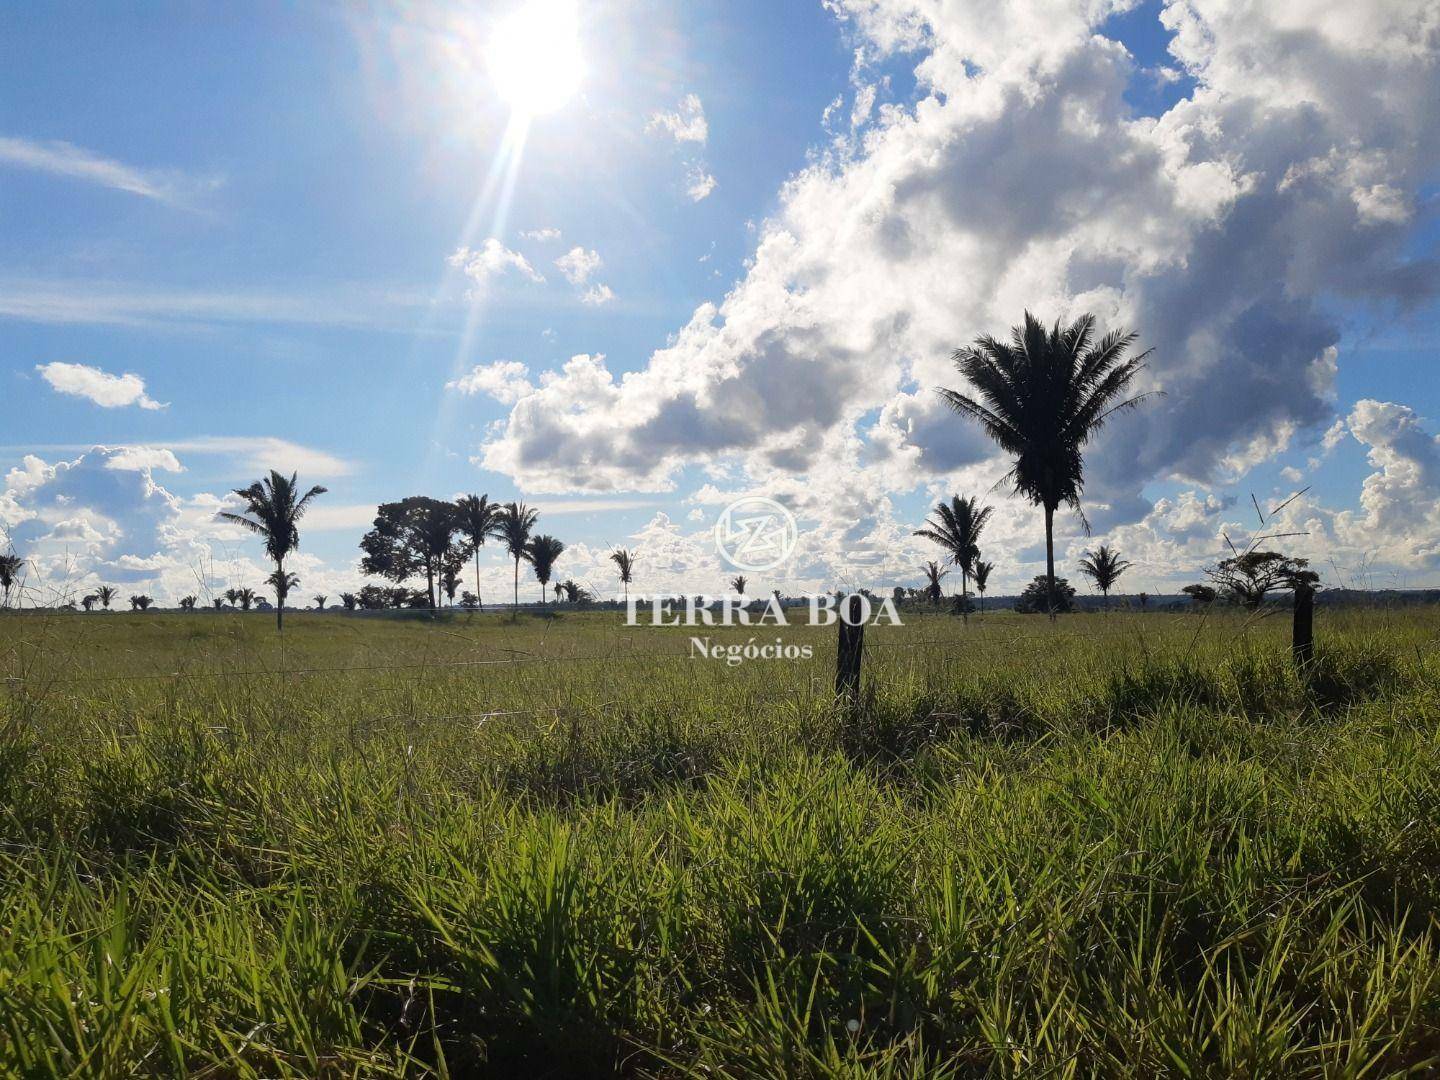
534 56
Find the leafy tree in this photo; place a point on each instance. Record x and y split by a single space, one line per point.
349 600
1200 594
1104 567
187 603
10 567
1144 599
105 593
624 562
479 519
1035 598
88 602
1042 396
373 598
140 602
933 574
1248 577
542 551
982 579
414 536
513 526
469 601
575 593
956 527
275 506
320 601
737 584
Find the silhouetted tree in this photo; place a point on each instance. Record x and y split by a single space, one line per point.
542 551
417 535
246 597
1248 577
105 594
275 506
737 584
1200 594
10 567
140 602
349 600
1042 397
513 526
1104 567
624 562
982 579
320 601
1036 597
933 574
218 602
956 527
281 583
88 602
187 603
479 518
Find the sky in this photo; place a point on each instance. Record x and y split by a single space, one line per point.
630 260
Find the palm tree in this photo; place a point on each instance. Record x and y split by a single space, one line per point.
349 599
625 563
513 525
105 594
275 509
246 597
281 581
88 602
1104 567
1042 397
219 602
320 602
574 593
956 527
479 520
542 552
559 591
187 603
982 579
10 565
738 584
140 602
933 574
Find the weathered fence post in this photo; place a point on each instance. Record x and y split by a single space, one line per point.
850 651
1302 640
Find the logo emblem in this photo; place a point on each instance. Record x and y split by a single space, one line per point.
755 534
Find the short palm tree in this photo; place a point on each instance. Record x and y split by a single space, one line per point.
982 579
933 574
105 593
513 526
479 520
542 551
1104 567
140 602
349 599
275 508
320 601
281 582
187 603
559 591
246 597
738 584
624 562
219 602
10 566
1042 396
956 527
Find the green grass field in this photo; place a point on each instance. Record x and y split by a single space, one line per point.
1124 845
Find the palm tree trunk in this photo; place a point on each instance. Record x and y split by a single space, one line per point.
430 583
1050 558
516 610
478 605
280 596
964 596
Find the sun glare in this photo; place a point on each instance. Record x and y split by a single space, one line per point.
534 56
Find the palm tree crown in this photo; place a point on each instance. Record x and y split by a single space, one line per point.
1042 396
1104 567
624 562
10 565
275 508
982 579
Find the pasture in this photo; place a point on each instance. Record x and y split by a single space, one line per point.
1115 844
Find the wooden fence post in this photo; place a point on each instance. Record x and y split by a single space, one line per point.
1302 640
850 651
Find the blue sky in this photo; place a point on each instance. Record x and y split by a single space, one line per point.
258 213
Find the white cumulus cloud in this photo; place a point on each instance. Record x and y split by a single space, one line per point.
106 390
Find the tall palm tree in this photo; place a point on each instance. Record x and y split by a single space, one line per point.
10 566
479 520
513 526
275 508
982 579
624 562
542 551
956 527
738 584
1104 567
933 574
1042 396
105 593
